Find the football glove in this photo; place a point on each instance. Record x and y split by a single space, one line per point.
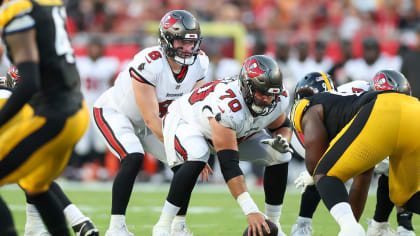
304 180
382 167
278 143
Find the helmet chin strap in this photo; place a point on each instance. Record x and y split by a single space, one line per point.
257 109
185 61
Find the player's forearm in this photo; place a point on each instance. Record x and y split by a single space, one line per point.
359 192
154 123
237 186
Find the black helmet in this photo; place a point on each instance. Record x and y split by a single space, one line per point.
390 80
260 73
313 83
182 25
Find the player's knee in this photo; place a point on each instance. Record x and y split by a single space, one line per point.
132 162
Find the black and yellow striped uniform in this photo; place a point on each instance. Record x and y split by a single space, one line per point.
364 130
37 142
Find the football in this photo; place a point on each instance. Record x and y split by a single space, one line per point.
271 225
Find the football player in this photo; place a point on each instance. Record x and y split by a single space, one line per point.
238 118
45 115
81 224
360 141
129 114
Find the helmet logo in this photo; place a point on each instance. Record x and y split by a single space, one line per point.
252 68
381 83
168 21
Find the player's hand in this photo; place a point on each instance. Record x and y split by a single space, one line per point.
304 180
279 143
256 221
205 173
382 167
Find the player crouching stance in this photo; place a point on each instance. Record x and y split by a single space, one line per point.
229 117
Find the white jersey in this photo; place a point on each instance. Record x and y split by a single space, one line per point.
223 100
150 66
354 87
95 76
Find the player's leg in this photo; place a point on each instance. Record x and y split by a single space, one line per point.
121 139
48 150
364 140
154 146
7 227
81 224
275 174
405 226
379 225
308 203
192 154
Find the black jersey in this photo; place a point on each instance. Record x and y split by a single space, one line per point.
60 82
338 109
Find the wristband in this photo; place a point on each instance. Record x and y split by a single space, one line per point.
247 204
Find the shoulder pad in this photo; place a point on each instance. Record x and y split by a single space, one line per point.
297 112
203 59
146 65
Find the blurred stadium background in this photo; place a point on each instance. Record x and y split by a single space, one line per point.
350 39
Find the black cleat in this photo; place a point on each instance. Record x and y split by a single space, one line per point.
86 228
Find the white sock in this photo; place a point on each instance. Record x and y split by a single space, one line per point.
169 212
343 214
304 219
273 212
179 220
33 218
73 215
117 221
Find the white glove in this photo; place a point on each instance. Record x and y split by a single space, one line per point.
304 180
382 167
278 143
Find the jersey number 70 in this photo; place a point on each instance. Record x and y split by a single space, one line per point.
201 93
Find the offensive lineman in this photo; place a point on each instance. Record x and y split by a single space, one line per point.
229 117
129 114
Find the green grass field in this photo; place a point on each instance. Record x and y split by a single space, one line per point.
212 211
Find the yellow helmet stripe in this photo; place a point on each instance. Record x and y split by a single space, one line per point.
297 113
327 81
11 9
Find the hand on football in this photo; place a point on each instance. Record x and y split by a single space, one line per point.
278 143
205 173
304 180
256 221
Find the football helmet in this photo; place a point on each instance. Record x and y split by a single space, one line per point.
260 73
12 77
390 80
313 83
179 25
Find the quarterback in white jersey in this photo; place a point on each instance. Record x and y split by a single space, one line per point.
234 118
129 113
